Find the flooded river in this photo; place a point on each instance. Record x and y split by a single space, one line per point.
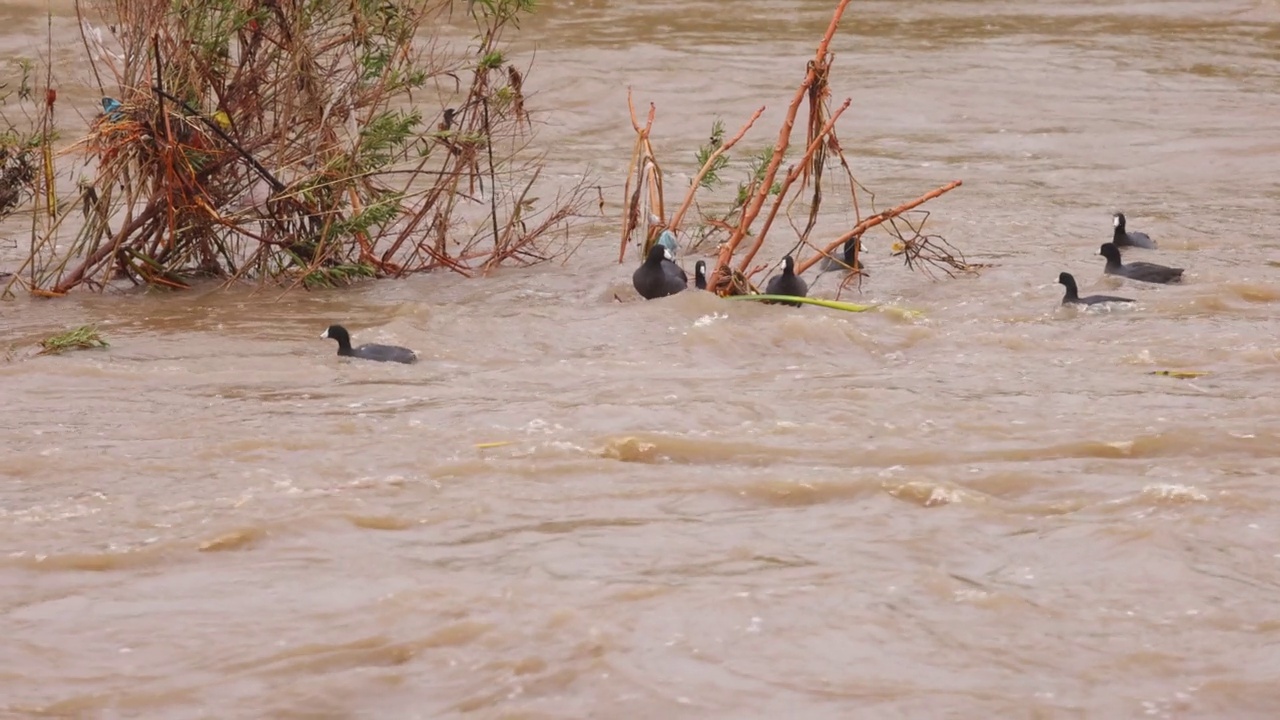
703 509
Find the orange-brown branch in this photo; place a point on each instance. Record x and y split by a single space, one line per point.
794 173
642 149
648 125
706 167
750 212
875 220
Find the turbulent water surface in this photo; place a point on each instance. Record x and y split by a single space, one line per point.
705 509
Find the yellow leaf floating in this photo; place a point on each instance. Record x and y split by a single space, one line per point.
499 443
832 304
1181 374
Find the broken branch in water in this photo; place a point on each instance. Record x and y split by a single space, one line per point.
644 169
875 220
929 251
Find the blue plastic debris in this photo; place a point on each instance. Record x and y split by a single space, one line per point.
111 107
668 240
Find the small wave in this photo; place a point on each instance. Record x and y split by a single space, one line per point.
784 493
1174 493
930 494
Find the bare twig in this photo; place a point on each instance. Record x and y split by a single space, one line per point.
875 220
800 168
784 137
706 167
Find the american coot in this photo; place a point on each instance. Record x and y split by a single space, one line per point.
1130 239
845 259
1073 295
1144 271
657 276
700 275
382 353
788 283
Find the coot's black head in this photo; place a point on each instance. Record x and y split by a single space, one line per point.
788 265
1110 252
657 254
1066 279
339 333
1118 221
700 274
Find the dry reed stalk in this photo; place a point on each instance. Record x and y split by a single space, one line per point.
647 175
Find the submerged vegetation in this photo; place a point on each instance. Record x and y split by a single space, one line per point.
767 188
81 338
309 143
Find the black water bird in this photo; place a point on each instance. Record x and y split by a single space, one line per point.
371 351
1143 271
848 258
1073 295
1122 238
657 276
788 283
700 275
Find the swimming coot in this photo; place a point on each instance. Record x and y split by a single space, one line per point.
1130 239
381 353
657 276
847 258
1144 271
788 283
700 275
1073 296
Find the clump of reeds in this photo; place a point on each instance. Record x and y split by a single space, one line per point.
767 190
82 338
17 171
18 151
300 143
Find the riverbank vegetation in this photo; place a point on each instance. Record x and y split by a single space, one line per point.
796 194
309 143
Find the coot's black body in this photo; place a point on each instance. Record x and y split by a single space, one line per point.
657 276
1073 295
1123 238
788 283
1144 271
847 259
371 351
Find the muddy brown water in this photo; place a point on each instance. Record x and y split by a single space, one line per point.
706 509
